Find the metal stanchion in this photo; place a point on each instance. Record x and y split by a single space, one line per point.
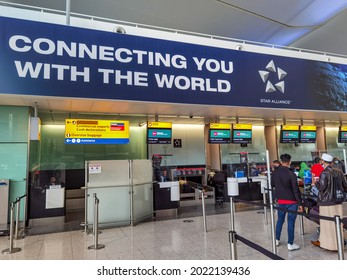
203 210
233 190
96 246
272 215
17 203
339 238
85 223
265 208
233 252
301 220
11 249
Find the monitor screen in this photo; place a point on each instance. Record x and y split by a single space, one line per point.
242 136
342 136
308 136
159 135
289 136
219 136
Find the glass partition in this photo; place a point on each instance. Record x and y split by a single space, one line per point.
191 150
300 152
142 177
14 144
110 181
53 148
245 161
124 189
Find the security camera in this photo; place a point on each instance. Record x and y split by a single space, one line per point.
190 116
119 29
240 47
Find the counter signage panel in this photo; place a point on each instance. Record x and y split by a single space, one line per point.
159 132
342 137
308 134
289 134
84 131
242 134
219 133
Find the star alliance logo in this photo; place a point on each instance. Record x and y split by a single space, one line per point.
264 74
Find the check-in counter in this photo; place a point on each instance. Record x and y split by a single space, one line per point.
166 197
47 202
250 189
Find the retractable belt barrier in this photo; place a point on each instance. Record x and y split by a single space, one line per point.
233 236
14 228
200 189
254 246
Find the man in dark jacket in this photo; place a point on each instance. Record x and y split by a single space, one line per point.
327 206
288 196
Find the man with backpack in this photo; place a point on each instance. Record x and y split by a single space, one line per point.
332 186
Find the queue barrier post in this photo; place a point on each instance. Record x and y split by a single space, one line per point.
265 208
17 206
339 238
203 210
96 245
233 190
11 249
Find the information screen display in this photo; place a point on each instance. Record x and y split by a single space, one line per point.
342 137
308 136
289 134
219 136
242 134
159 133
219 133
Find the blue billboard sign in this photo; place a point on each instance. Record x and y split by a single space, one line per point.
56 60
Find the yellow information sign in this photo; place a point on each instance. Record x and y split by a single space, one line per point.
343 128
159 125
308 127
242 126
290 127
83 131
220 125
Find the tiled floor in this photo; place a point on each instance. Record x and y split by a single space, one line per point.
176 239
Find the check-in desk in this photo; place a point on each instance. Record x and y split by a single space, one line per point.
250 189
166 197
47 202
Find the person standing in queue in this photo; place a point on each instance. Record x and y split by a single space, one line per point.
276 163
317 167
328 207
288 196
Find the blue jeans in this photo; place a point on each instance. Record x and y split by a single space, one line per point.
290 221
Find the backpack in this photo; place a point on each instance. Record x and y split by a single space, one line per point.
307 177
334 193
339 194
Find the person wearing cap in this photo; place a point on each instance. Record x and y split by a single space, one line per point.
288 196
327 207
